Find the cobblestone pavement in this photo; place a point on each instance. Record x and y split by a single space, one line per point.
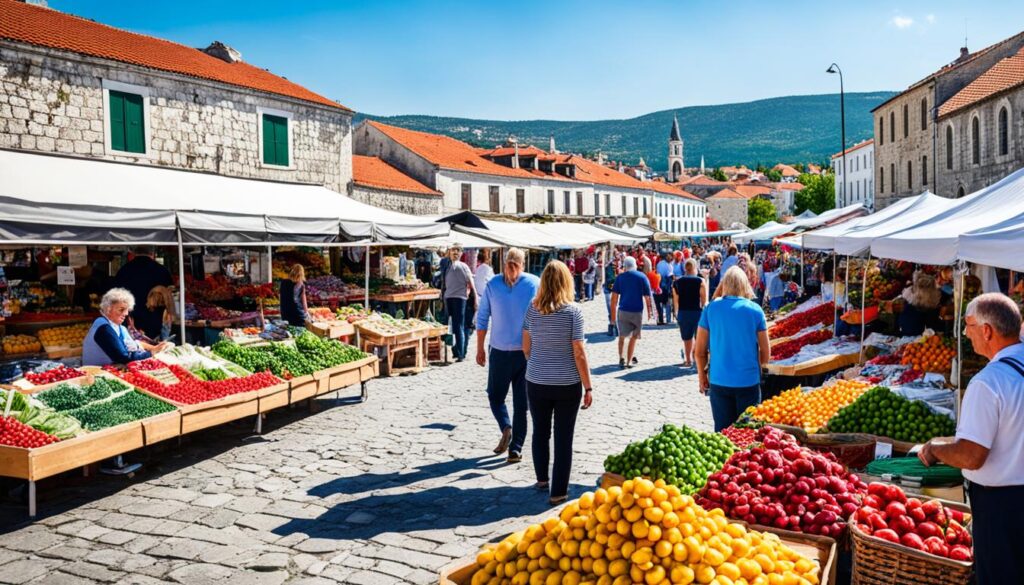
386 491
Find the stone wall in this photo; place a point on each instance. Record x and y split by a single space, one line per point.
891 156
411 203
727 211
53 101
965 174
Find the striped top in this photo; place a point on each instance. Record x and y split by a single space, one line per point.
551 357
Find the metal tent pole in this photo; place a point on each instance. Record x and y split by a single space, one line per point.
958 315
181 282
863 303
803 266
366 279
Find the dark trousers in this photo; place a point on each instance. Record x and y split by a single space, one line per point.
727 403
508 368
457 314
578 281
998 549
562 403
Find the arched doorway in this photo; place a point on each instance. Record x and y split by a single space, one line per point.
677 170
960 192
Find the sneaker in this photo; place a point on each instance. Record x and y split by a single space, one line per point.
514 457
506 438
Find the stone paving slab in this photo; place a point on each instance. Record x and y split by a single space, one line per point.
386 491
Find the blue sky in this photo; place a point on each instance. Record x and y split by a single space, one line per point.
572 60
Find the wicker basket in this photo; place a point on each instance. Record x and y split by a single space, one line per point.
851 449
880 562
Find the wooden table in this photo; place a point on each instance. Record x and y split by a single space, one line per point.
415 341
812 367
415 301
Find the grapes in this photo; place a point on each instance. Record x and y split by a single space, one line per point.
679 455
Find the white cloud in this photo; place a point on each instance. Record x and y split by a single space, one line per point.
902 21
930 18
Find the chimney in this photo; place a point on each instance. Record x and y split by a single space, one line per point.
515 158
964 54
223 52
551 147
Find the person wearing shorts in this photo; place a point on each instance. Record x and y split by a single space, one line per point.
631 291
689 296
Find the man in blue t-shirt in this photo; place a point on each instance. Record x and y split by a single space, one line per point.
630 292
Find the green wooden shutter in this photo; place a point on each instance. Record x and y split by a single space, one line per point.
275 140
135 126
117 139
127 122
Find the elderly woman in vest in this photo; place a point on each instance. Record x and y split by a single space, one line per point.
109 341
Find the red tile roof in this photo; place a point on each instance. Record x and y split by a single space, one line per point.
728 194
705 181
447 152
1004 75
786 170
751 190
788 186
44 27
524 151
371 171
857 146
590 171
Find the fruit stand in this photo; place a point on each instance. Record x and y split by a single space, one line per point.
401 343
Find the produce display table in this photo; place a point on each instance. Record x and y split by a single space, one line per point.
373 342
335 329
812 367
415 301
350 374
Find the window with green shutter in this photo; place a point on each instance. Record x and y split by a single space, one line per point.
275 140
127 122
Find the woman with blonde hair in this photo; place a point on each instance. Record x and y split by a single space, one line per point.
734 330
557 375
921 305
294 308
161 297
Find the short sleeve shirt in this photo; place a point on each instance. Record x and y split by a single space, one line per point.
456 281
733 324
552 360
992 415
632 287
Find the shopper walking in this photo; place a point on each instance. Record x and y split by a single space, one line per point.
631 291
504 301
579 268
689 295
733 328
663 292
989 445
294 304
611 270
589 277
458 284
557 376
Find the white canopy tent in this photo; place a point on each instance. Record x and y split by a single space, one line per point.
920 211
767 231
992 210
554 235
832 215
771 230
209 208
824 238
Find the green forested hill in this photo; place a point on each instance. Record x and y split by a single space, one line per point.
786 129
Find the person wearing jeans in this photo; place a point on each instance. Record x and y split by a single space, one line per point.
557 376
504 300
734 330
458 284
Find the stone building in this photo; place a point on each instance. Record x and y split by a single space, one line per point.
783 196
508 180
728 207
982 129
375 182
906 133
858 183
76 87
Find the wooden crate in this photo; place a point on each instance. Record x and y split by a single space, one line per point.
813 367
348 374
302 388
42 462
819 548
161 427
335 329
273 397
211 413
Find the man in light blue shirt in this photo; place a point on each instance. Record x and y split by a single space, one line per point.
732 258
503 305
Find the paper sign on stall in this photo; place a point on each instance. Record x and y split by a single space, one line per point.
78 256
211 264
883 450
65 275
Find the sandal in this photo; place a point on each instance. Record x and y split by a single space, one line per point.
556 500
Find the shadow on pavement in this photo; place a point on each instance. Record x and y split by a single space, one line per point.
439 508
605 369
366 482
659 373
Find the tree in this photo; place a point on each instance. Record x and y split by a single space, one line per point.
761 168
759 212
818 194
773 175
719 175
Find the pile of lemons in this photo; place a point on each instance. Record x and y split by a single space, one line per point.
71 335
642 532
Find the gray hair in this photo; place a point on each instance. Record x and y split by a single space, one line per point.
998 311
690 265
516 256
116 295
629 263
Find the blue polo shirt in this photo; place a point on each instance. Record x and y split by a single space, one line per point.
632 286
502 309
733 324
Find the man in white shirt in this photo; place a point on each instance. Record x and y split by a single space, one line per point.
989 442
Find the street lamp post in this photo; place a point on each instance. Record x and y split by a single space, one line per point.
833 68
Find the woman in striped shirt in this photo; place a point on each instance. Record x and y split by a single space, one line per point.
557 375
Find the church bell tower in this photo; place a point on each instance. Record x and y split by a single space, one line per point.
675 153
